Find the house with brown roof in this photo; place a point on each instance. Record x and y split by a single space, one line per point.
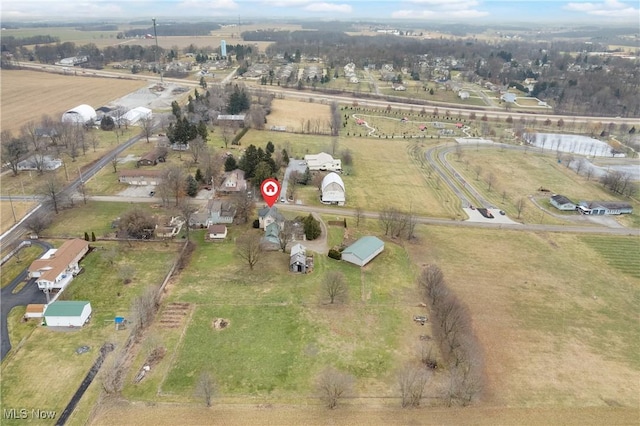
216 232
140 177
57 267
153 157
233 182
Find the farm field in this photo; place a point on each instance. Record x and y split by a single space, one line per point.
521 174
294 115
546 314
55 94
55 349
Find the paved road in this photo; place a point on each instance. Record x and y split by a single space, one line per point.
29 294
14 234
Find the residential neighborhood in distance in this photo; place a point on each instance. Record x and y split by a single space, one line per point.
308 213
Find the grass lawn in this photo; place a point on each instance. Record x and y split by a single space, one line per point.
54 351
20 208
31 183
95 216
16 264
270 308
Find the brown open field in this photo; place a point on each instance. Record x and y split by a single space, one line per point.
294 114
237 414
27 95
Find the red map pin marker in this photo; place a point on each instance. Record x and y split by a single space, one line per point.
270 189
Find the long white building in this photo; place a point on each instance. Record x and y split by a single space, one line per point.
322 162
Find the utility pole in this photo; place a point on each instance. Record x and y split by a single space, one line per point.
12 210
155 36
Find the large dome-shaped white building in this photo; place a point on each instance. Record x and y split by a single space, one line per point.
333 191
82 114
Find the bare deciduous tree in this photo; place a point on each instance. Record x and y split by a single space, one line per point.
13 149
206 388
333 385
187 210
51 189
144 308
147 125
38 223
285 235
359 215
491 179
126 273
412 382
520 205
114 374
249 248
335 287
244 205
174 181
197 146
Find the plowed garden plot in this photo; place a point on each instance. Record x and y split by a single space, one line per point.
174 314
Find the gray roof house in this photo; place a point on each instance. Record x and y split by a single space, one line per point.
605 207
268 215
561 202
363 251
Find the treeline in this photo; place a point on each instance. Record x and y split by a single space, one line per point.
176 29
10 43
453 332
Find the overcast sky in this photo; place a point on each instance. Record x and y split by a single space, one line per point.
468 11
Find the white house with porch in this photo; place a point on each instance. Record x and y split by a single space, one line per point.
57 267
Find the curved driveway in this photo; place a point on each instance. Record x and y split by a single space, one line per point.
29 294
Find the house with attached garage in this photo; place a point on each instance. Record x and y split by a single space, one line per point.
561 202
139 177
67 313
604 207
57 267
363 251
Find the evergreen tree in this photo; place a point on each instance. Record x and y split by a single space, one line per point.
199 176
175 109
270 148
238 101
312 228
263 171
285 157
86 236
192 186
230 164
249 161
202 130
93 236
